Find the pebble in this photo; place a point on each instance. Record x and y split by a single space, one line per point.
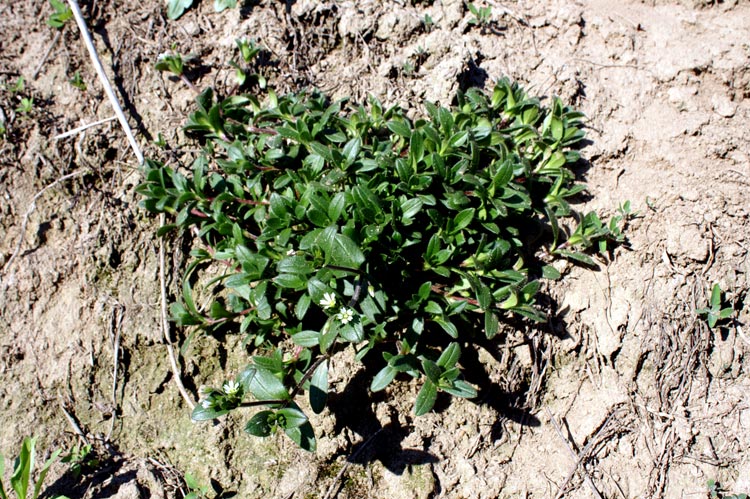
723 106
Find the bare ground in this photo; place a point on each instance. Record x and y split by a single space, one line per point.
625 393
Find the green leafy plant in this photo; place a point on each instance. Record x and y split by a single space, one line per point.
196 490
26 105
81 459
173 62
716 492
176 8
482 15
339 226
246 72
21 479
715 313
77 81
61 15
18 86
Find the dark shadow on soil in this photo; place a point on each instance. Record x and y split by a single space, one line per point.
353 410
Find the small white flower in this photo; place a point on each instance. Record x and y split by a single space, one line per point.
345 315
207 403
231 387
291 252
328 301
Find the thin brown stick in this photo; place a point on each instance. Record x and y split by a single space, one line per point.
165 324
30 210
578 458
104 79
73 423
46 54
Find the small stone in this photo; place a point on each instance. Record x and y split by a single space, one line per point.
723 106
192 28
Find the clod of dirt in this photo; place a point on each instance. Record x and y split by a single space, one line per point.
723 106
687 241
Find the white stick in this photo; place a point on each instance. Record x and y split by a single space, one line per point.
81 128
103 78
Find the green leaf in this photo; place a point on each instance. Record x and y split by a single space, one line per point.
19 480
411 207
294 265
292 281
460 388
266 386
319 388
201 413
304 436
351 150
725 313
303 304
43 473
491 324
400 127
574 255
261 424
220 5
716 296
383 378
551 273
340 250
450 356
459 139
306 338
176 8
431 370
290 417
327 336
425 398
463 219
447 326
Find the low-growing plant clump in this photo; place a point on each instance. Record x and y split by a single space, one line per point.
340 226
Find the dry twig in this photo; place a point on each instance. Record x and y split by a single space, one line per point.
82 128
165 324
46 55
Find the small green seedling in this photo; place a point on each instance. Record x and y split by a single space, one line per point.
81 459
428 23
482 15
176 8
18 86
21 480
245 72
175 63
77 81
197 490
26 105
160 141
716 492
61 15
715 313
